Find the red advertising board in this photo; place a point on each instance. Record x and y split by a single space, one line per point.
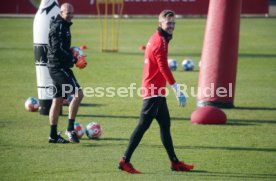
136 7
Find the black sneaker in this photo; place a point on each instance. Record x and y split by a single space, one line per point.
59 139
72 135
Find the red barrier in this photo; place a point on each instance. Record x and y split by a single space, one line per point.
136 7
217 77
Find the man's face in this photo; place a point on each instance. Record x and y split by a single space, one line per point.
67 13
168 24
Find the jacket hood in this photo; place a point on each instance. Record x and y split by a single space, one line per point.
163 33
59 19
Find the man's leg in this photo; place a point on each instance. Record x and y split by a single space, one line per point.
53 120
148 112
164 121
134 141
146 117
70 85
73 109
74 105
55 110
143 125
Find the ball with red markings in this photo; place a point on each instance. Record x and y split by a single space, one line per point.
93 130
79 129
32 104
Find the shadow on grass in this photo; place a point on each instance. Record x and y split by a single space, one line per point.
102 142
214 148
245 55
104 116
123 117
238 124
225 148
202 173
249 122
259 55
107 139
88 105
230 122
91 105
256 108
171 54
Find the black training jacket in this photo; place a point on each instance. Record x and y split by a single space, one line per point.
59 54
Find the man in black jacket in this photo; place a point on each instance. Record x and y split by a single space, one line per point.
60 60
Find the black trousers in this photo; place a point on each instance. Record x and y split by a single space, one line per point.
153 108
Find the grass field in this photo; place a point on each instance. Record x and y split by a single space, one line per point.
243 149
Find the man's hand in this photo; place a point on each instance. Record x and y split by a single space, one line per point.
81 62
179 95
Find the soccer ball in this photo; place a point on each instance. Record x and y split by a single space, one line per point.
79 129
172 64
93 130
77 51
188 65
32 104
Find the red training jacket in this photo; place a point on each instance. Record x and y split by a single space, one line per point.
156 69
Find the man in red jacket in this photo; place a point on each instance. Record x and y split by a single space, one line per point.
156 74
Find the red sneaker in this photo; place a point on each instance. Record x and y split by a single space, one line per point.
127 167
181 166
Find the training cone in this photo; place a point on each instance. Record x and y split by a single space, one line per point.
83 47
208 115
142 48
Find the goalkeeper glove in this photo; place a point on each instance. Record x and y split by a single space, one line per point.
179 95
81 62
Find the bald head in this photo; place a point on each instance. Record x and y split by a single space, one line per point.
67 12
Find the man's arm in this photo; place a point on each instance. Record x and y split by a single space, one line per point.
162 62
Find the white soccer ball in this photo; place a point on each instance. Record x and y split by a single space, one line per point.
172 64
32 104
79 129
188 65
93 130
77 51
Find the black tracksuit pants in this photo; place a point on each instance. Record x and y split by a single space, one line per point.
155 107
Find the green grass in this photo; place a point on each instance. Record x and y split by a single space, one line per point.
243 149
